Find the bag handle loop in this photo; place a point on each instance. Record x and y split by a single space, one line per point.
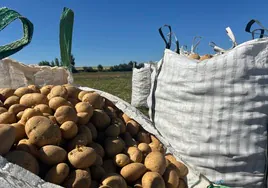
262 29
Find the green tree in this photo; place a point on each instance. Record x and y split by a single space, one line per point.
52 64
44 63
57 63
73 64
100 68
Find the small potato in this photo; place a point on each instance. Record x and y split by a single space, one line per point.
69 130
153 180
129 140
58 173
29 113
72 91
94 99
121 124
44 108
143 137
25 145
109 166
11 100
45 90
133 127
59 91
86 131
34 88
78 179
20 131
81 94
114 180
78 140
182 168
23 159
33 99
6 92
121 160
65 113
2 110
16 108
155 140
42 131
133 171
82 157
7 118
135 155
19 115
113 146
52 155
84 107
7 137
83 118
171 176
100 119
93 130
97 172
156 162
157 147
56 102
144 148
98 148
98 161
126 118
22 91
112 131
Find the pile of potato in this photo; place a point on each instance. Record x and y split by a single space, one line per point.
78 139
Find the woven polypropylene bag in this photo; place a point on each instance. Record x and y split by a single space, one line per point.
214 112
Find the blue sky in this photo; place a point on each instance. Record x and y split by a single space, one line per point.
111 32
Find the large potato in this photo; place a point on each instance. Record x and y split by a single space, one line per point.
83 118
153 180
44 108
84 107
121 160
59 91
6 92
182 168
81 94
72 91
65 113
58 173
7 137
98 148
114 180
45 90
93 130
109 166
78 179
29 113
24 160
135 155
52 155
82 157
69 130
97 172
133 171
22 91
11 100
20 131
16 108
143 137
144 148
42 131
33 99
156 162
112 130
2 110
100 119
94 99
113 146
129 141
25 145
57 102
7 118
171 176
133 127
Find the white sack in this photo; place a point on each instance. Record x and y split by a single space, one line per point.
214 113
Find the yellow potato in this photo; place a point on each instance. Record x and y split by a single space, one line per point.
133 171
114 180
72 91
135 155
22 91
78 179
100 119
7 137
11 100
7 118
45 90
29 113
113 146
56 102
97 172
19 115
20 131
52 155
83 118
34 88
58 173
53 119
59 91
6 92
2 110
157 147
98 148
144 148
143 137
171 176
155 161
25 145
33 99
133 127
182 168
65 113
94 99
16 108
69 130
44 108
121 160
84 107
153 180
81 94
73 101
126 118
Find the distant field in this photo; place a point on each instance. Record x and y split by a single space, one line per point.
116 83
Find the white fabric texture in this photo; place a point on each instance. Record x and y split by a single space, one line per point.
15 74
214 113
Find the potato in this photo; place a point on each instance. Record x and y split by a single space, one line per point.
155 161
113 146
157 147
100 119
135 154
78 179
154 139
72 91
69 130
86 131
73 101
19 115
114 180
132 127
6 92
33 99
206 56
112 130
16 108
78 140
2 110
153 180
97 172
34 88
125 118
98 161
11 100
58 173
143 137
171 176
83 118
7 118
1 103
81 94
44 108
57 102
182 183
129 140
23 159
98 148
94 99
110 111
65 113
45 90
53 119
84 107
82 157
52 155
42 131
133 171
109 166
144 148
182 168
22 91
121 160
25 145
29 113
59 91
20 131
194 56
7 137
93 130
138 184
121 124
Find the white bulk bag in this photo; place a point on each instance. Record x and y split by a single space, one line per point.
214 113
